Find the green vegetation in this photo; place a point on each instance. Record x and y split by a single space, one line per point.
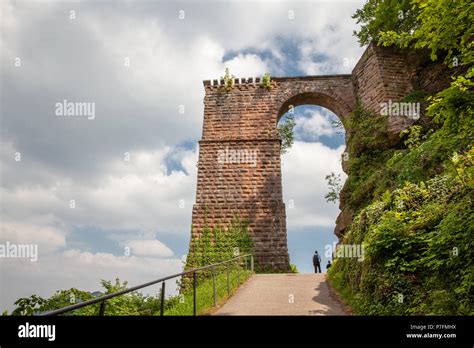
133 303
266 81
413 202
220 243
183 304
214 245
378 17
338 125
414 217
285 132
442 26
368 151
335 186
228 80
418 245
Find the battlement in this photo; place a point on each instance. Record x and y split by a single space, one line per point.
244 81
257 81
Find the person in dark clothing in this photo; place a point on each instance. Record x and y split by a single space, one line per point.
317 262
328 265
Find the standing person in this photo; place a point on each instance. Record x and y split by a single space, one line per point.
328 265
317 262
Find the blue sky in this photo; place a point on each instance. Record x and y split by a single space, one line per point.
131 171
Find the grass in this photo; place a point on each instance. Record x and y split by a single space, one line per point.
205 297
344 292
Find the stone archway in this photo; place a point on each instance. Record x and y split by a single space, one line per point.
333 92
239 167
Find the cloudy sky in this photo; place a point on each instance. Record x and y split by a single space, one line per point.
85 189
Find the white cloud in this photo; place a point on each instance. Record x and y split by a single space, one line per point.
47 238
247 65
148 247
139 192
314 124
303 171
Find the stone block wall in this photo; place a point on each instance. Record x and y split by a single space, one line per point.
382 74
239 168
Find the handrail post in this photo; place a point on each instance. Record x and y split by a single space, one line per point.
238 273
228 279
162 300
194 293
214 285
102 309
251 263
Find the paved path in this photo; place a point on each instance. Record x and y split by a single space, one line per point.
284 294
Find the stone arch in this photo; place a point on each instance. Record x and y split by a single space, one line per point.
244 118
338 107
340 111
333 92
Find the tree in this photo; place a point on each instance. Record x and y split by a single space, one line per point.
442 26
285 131
133 303
335 186
380 16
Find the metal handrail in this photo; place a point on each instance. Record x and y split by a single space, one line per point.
102 299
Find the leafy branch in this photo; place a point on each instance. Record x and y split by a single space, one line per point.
228 80
266 81
335 186
285 132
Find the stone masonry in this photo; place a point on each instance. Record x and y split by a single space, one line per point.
239 168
